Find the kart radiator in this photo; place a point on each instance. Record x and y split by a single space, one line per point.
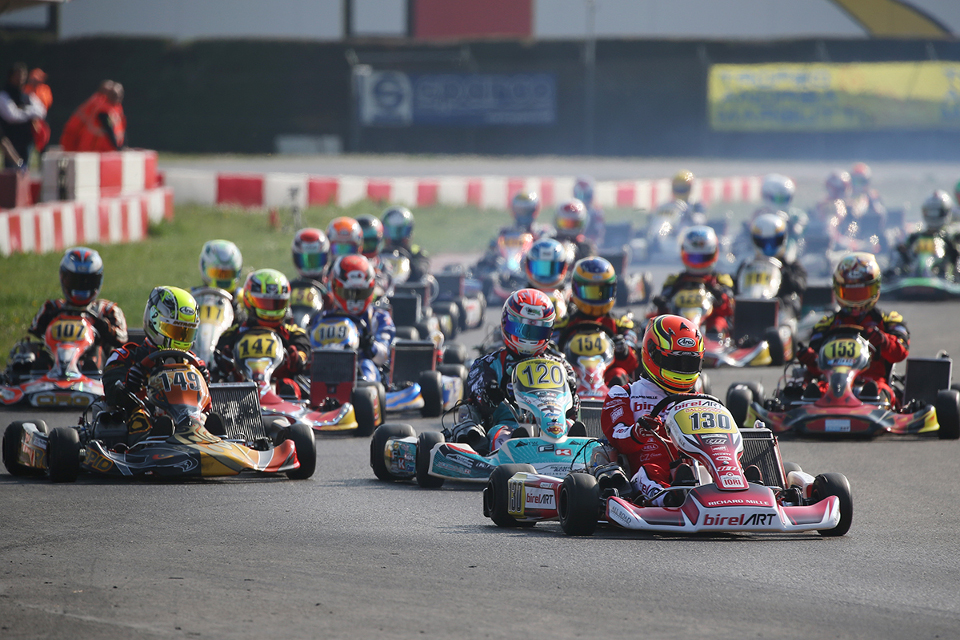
450 285
752 318
238 404
410 357
760 448
405 309
926 377
332 374
590 416
818 297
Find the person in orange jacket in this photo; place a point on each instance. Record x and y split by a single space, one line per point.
99 124
37 86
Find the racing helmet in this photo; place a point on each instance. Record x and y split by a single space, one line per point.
777 191
594 286
546 264
311 250
571 219
583 190
170 318
682 185
769 233
372 230
937 210
838 185
700 249
397 225
266 295
351 285
672 353
220 264
81 276
527 322
345 236
525 207
860 176
856 282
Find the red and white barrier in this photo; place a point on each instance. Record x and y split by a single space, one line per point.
54 226
92 176
283 189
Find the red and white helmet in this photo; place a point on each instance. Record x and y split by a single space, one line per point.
351 283
310 250
571 219
700 249
527 322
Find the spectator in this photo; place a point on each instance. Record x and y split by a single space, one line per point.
18 110
37 86
99 124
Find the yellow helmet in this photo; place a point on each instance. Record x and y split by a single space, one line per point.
170 318
682 185
594 286
856 281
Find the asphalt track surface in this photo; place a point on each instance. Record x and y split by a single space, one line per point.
342 555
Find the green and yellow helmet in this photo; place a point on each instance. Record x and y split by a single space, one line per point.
594 286
220 264
266 295
170 318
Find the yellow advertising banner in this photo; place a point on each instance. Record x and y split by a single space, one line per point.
834 97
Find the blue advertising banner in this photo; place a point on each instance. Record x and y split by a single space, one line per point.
390 98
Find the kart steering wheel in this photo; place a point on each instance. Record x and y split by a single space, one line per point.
680 397
151 360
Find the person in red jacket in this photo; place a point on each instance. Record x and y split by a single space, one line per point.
856 287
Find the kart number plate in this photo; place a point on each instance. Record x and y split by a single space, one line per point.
538 373
258 345
305 296
836 426
67 330
590 344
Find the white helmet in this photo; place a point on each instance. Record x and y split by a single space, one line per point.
937 209
769 233
700 249
777 190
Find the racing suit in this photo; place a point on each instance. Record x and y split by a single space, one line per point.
887 332
377 334
489 383
108 321
907 252
625 360
793 283
718 284
295 343
651 462
123 366
419 260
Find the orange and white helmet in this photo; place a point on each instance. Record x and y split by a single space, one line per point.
351 285
856 282
700 249
672 353
345 236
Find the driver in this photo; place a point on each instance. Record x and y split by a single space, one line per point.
584 191
526 324
571 223
856 287
170 321
524 207
352 285
81 276
398 236
594 291
699 251
310 250
266 296
937 210
220 265
769 234
546 265
671 357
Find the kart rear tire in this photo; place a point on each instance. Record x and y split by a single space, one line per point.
425 443
454 371
63 454
791 466
407 333
579 504
775 346
739 399
431 389
364 401
381 395
497 495
947 406
454 354
378 444
306 447
12 437
834 484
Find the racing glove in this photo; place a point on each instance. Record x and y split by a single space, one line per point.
641 430
806 356
621 350
204 371
366 345
102 328
135 379
296 362
874 336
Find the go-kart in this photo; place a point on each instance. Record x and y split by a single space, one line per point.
841 404
215 308
504 275
460 298
545 438
336 403
633 287
589 350
926 275
413 380
67 340
197 432
720 498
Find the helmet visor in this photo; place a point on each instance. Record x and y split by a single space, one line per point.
343 248
545 269
352 293
857 295
268 303
678 362
681 188
769 246
311 261
177 332
569 223
399 232
595 292
699 259
79 282
525 331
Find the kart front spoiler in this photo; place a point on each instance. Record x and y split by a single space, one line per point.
718 356
50 393
864 420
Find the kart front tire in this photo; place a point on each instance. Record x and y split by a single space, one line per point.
454 353
834 484
579 504
381 394
407 333
12 437
497 495
306 447
425 443
63 454
378 445
947 406
739 398
364 401
454 371
431 389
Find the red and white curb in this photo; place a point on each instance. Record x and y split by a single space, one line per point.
486 192
54 226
